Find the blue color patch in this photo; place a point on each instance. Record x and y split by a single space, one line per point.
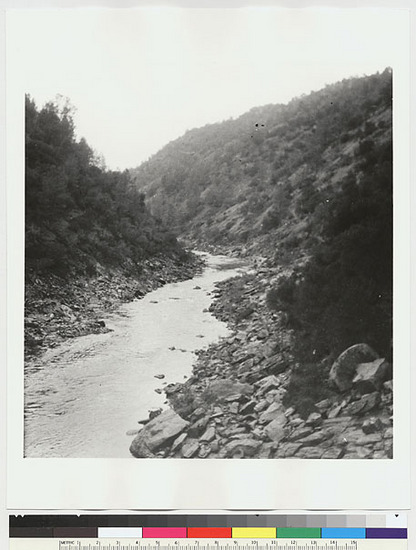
339 533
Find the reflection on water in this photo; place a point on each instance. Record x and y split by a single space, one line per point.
83 396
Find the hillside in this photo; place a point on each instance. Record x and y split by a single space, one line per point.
78 214
267 172
90 240
307 185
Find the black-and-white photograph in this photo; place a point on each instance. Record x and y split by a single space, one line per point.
208 235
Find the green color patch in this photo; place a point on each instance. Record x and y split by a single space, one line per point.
298 533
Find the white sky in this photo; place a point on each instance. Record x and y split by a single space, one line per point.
140 78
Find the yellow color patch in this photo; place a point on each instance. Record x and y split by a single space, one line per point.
254 532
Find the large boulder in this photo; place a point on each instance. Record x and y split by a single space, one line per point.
344 369
219 390
160 431
370 377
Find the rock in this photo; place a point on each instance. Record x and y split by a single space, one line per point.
237 453
265 450
366 403
154 412
173 388
344 368
144 421
235 397
351 455
286 450
248 408
300 433
289 412
215 446
314 419
315 438
190 448
388 386
247 446
200 411
234 407
275 364
349 436
323 405
369 439
370 377
272 396
245 313
310 452
261 405
178 442
333 453
158 390
204 451
198 427
363 452
273 411
209 435
296 422
388 433
275 429
197 287
158 432
159 376
220 389
132 432
372 425
268 383
140 449
334 412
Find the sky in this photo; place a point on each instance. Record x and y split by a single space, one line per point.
140 78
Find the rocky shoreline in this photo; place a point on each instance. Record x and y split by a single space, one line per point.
235 406
56 310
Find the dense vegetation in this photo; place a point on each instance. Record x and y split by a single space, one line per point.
308 184
79 214
267 171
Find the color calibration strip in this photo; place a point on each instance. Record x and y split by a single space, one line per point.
215 533
313 526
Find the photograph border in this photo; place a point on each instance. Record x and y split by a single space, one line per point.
210 484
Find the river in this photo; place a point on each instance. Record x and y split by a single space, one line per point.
84 395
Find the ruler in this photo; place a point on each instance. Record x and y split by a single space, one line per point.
189 544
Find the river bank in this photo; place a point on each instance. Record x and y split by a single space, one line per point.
235 404
84 395
57 309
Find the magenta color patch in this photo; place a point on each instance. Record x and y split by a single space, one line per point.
164 532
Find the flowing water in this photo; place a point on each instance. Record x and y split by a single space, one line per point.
83 396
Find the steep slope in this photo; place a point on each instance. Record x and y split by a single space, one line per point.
90 241
265 173
78 214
